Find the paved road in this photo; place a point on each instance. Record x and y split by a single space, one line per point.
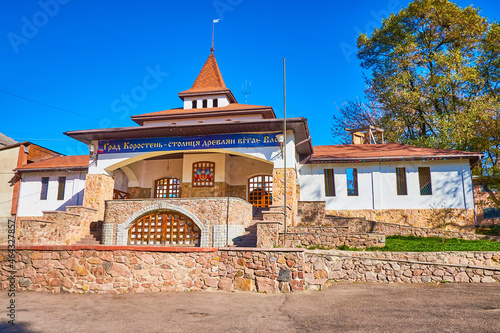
344 307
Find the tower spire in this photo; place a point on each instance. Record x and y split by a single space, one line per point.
213 32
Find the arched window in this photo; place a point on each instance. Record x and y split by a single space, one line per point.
167 188
203 174
215 102
205 103
164 228
260 190
195 104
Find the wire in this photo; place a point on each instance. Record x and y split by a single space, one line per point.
46 139
50 106
51 91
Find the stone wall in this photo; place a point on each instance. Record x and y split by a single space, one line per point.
325 267
237 191
205 212
55 228
310 212
361 225
291 192
448 219
123 270
139 192
330 237
107 269
220 189
268 233
483 201
98 189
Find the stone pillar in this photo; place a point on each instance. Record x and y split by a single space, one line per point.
291 192
98 189
268 234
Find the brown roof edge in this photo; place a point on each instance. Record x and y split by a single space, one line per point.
473 158
30 143
298 125
266 112
52 169
57 163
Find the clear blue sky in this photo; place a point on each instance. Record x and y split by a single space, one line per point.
67 67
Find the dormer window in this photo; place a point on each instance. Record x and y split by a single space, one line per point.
195 104
215 102
205 103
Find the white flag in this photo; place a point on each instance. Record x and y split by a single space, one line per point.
216 21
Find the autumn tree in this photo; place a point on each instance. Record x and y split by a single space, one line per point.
433 80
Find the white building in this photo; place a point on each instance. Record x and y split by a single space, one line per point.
391 183
52 184
199 175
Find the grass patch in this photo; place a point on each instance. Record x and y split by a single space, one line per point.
318 247
430 244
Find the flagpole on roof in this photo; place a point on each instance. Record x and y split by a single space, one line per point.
213 32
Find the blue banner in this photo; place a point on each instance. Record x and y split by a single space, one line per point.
239 140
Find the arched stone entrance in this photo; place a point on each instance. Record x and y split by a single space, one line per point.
177 215
164 228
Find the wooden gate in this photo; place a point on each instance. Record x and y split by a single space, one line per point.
260 190
164 228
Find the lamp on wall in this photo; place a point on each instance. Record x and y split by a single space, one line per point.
93 154
281 140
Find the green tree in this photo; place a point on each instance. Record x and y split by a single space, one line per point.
434 81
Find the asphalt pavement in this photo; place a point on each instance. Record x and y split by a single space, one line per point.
343 307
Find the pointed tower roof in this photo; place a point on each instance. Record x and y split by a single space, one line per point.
208 82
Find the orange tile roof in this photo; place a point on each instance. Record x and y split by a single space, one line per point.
209 79
59 162
384 151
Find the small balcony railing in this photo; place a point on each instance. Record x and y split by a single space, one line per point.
117 194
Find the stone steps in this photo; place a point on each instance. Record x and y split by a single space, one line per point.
249 238
68 227
94 237
88 240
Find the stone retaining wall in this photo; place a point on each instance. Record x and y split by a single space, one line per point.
325 267
447 219
55 227
151 269
310 212
114 269
389 229
330 237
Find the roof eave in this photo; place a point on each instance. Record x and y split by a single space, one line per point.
298 125
79 168
140 119
473 159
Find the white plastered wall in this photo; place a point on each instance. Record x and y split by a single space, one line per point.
222 101
31 187
239 169
451 185
148 171
218 159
